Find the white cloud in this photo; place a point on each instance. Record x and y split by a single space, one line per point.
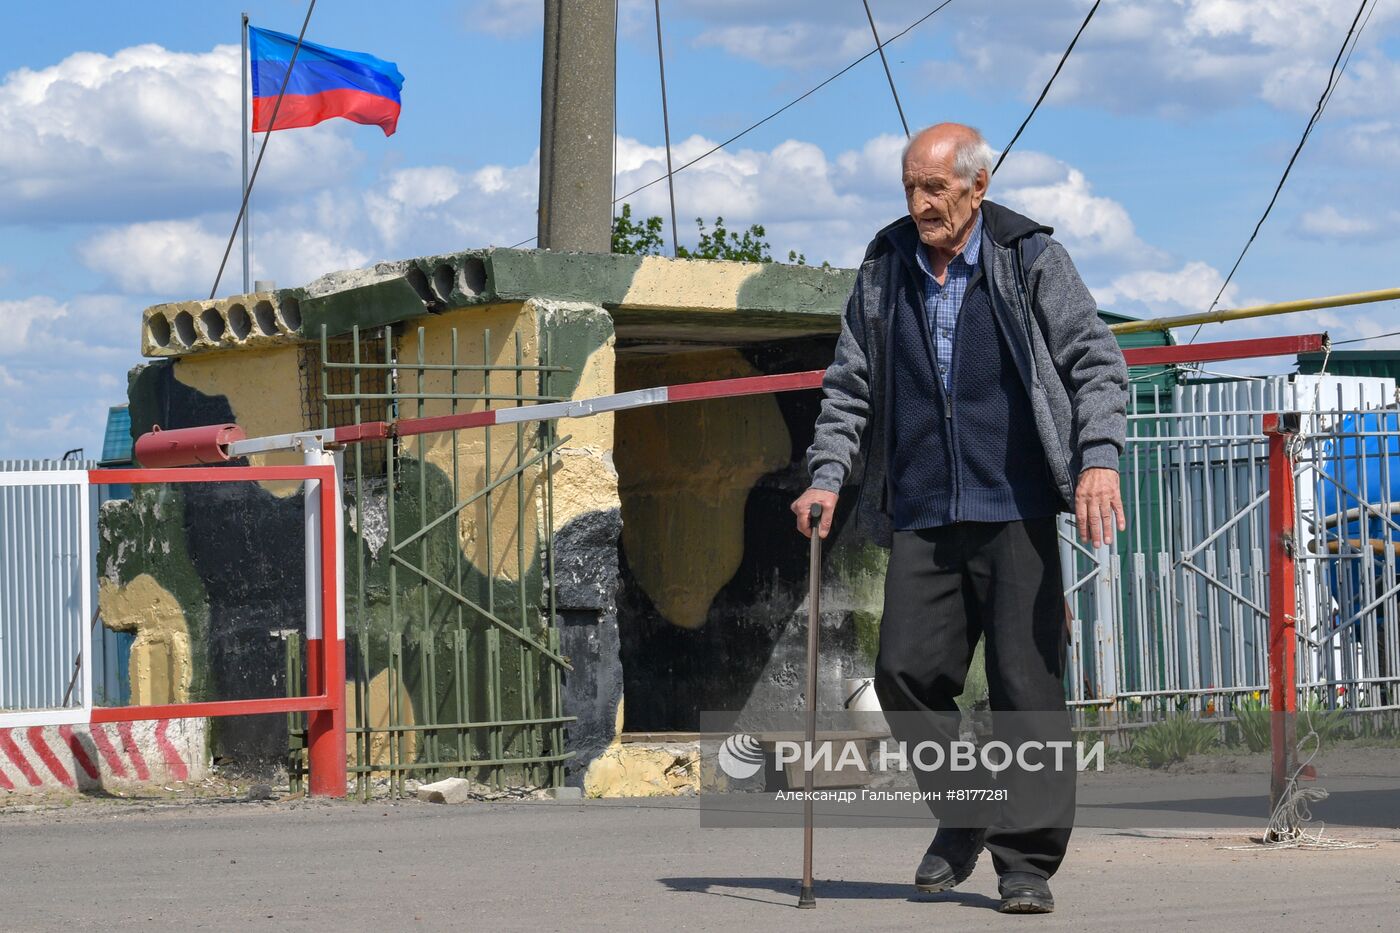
1269 22
294 257
179 258
407 194
828 207
504 18
1328 223
84 328
1171 57
874 167
1167 56
821 35
61 366
143 133
824 206
1151 292
1356 322
159 256
39 424
427 186
55 427
1372 142
1059 195
792 45
19 317
435 209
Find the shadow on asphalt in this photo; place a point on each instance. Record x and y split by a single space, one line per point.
782 892
1370 808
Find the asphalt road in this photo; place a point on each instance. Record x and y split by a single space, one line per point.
623 866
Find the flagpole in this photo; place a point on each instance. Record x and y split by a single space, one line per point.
244 144
257 163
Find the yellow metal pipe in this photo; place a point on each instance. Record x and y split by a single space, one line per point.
1377 545
1238 314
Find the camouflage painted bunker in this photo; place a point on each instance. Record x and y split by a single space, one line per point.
507 588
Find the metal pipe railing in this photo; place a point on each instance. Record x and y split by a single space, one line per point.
1239 314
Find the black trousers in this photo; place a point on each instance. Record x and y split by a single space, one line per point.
945 588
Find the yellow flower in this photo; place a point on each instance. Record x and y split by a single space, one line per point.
1258 695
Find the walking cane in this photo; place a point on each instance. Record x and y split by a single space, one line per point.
814 571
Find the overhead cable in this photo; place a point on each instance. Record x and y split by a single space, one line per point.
789 105
1046 90
1334 76
886 62
666 127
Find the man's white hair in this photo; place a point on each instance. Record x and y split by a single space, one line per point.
971 154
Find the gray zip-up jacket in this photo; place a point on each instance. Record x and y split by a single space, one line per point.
1068 360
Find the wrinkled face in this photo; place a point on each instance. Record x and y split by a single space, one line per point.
940 202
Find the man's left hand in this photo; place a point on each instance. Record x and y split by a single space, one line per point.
1096 504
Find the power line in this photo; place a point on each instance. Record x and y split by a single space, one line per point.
789 105
886 62
666 127
1347 61
1046 90
271 125
1338 343
1338 68
797 100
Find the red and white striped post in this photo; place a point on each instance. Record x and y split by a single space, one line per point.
325 631
1283 604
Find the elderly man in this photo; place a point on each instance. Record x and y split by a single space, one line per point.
977 386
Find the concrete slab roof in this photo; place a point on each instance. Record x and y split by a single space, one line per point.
652 299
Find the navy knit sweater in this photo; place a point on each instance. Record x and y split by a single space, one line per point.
971 453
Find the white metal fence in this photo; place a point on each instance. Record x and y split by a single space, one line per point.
47 535
1174 615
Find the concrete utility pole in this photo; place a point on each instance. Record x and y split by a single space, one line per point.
576 125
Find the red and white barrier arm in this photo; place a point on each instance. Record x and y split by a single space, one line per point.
1225 350
621 401
310 440
789 382
238 446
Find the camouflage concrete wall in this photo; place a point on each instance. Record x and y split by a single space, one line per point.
209 578
713 571
677 572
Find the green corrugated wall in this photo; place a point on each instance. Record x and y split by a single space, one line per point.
1379 363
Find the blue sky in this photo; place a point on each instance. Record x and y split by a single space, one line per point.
1153 156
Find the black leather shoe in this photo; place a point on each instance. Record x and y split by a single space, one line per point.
1024 892
949 860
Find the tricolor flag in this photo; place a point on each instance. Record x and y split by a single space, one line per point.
325 83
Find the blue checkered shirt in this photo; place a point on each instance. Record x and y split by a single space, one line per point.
941 302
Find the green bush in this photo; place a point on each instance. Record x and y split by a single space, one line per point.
643 237
1172 740
1377 726
1329 724
1252 722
